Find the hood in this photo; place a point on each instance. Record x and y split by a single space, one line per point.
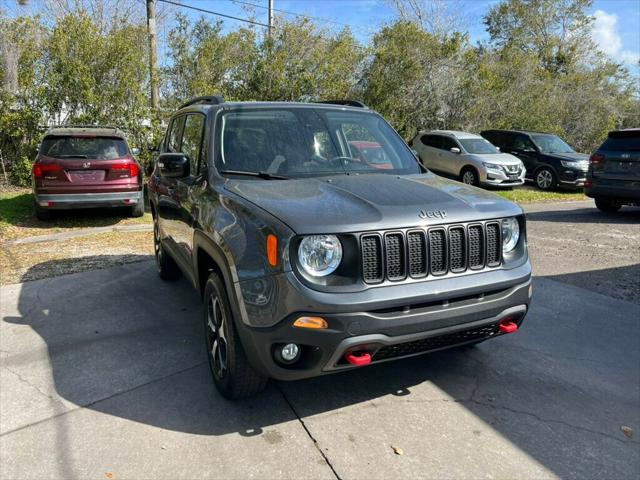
353 203
568 156
497 158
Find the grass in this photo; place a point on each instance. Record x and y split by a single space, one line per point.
529 194
17 218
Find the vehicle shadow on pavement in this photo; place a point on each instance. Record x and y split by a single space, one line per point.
626 215
124 343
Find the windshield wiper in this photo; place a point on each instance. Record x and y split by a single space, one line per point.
265 175
71 156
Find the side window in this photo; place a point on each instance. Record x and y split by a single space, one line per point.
430 141
522 142
173 143
448 143
192 140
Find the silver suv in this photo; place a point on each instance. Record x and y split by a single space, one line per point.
468 157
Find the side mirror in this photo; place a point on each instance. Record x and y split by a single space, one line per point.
498 148
455 150
173 165
135 151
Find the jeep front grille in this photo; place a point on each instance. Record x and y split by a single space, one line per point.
435 251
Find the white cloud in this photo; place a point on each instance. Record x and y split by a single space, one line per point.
605 34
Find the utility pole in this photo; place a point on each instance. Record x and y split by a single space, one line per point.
153 56
270 17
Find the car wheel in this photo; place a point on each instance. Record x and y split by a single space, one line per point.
469 176
42 213
166 266
608 205
232 374
545 179
138 209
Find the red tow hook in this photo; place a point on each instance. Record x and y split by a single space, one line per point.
359 359
507 326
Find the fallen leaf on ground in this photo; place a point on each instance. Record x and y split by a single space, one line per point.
397 450
110 475
628 431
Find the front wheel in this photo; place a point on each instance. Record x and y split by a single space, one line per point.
469 176
608 205
545 179
232 374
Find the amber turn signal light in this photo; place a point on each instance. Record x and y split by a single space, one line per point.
315 323
272 250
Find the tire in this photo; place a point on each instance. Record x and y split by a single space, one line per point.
469 176
138 209
232 374
165 265
607 205
545 179
42 213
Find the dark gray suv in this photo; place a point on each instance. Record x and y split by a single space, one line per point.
311 257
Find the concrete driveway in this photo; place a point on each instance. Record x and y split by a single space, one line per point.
104 375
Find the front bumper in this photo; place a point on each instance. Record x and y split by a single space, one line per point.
490 176
572 178
408 328
65 201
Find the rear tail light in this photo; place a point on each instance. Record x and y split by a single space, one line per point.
596 159
132 167
41 169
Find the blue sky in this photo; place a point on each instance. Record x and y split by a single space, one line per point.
616 29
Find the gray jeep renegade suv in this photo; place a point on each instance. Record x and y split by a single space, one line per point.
319 243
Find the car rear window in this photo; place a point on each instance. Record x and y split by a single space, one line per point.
622 143
95 148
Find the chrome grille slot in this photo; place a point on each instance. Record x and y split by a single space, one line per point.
438 251
371 246
494 244
457 249
417 254
476 247
395 258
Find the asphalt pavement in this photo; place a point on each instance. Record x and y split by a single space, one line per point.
103 374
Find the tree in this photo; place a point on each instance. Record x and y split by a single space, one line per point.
416 79
557 31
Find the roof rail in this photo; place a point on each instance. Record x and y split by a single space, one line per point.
84 126
348 103
211 99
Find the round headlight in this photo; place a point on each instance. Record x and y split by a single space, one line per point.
510 234
320 255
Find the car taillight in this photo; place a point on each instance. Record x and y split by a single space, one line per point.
40 169
132 168
596 159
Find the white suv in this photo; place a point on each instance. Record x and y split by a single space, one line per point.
468 157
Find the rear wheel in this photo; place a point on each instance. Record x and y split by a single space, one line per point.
138 209
545 179
166 266
469 176
232 374
608 205
42 213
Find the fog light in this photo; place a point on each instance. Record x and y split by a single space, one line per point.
290 352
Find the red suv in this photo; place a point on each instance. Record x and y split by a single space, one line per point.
86 167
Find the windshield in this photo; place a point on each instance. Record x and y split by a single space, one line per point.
306 141
477 145
552 144
95 148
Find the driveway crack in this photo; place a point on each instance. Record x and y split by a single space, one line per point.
304 426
